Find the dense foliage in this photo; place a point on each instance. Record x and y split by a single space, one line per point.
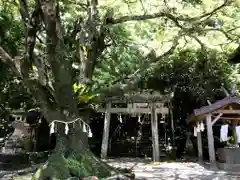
50 50
128 43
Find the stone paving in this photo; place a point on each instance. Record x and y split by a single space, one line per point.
171 171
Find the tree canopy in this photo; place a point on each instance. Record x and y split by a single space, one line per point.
59 53
131 31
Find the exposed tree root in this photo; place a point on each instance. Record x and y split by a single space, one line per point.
72 158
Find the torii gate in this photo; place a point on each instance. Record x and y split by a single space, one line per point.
137 104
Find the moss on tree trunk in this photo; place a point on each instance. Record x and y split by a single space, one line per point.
72 158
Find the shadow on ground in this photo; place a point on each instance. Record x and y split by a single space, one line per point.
144 170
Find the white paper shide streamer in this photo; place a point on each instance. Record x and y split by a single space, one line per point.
195 131
139 118
85 127
89 132
201 126
52 127
66 128
198 128
120 118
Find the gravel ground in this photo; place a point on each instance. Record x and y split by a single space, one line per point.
145 170
171 171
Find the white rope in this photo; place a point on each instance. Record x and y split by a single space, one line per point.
85 126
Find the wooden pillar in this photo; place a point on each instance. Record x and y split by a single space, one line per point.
211 148
235 134
106 128
199 142
173 128
155 138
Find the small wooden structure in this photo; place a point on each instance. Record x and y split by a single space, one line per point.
138 103
227 109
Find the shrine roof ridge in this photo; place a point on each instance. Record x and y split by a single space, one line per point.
217 105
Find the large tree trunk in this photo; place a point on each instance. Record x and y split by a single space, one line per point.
72 158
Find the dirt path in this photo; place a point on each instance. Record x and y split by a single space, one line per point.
171 171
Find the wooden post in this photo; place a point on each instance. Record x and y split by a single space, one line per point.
217 118
104 148
172 128
199 142
211 148
235 135
155 138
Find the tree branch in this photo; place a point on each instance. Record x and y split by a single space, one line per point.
124 19
35 87
225 33
32 25
143 71
8 60
164 13
91 44
143 8
203 47
56 57
209 14
5 57
24 11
